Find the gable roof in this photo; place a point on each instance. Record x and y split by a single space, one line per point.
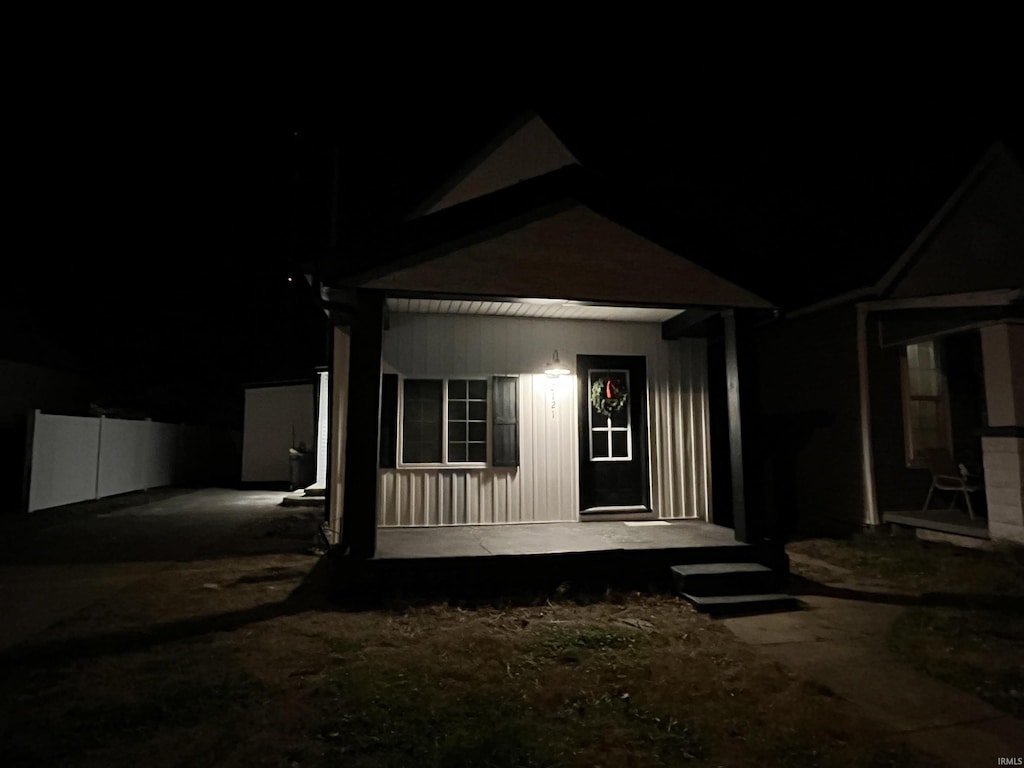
971 244
975 242
527 148
574 253
562 235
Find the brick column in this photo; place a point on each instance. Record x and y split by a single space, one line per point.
1004 487
1003 444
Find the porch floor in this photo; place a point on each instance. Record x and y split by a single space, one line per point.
549 538
945 520
474 560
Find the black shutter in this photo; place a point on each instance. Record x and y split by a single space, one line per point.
388 419
505 422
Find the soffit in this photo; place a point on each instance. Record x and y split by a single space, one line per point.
554 309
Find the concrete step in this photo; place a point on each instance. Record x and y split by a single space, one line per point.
315 490
736 604
300 499
715 579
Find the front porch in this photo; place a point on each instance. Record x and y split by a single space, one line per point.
530 559
473 541
951 521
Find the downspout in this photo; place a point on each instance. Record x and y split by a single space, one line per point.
867 460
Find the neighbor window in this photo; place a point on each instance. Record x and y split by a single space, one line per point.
925 402
444 421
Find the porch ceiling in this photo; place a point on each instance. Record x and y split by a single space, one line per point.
545 308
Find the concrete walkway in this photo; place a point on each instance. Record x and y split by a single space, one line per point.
54 563
839 642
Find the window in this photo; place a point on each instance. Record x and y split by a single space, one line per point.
444 421
925 402
610 436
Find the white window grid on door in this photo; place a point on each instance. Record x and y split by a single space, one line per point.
606 428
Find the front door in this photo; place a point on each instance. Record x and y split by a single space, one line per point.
613 434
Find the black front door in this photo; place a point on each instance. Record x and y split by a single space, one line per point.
613 434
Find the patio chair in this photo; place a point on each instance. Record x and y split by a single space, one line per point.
948 476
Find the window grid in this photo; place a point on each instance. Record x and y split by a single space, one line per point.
458 434
467 421
925 402
610 436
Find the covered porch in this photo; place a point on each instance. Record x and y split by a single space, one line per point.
945 379
551 539
531 559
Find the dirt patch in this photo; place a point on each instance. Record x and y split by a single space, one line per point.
241 661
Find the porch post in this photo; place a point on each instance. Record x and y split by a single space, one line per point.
334 496
1002 443
359 523
745 470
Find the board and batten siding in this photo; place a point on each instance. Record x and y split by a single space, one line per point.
544 488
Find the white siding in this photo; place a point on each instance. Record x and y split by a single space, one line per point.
544 488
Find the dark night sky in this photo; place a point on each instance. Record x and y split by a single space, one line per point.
160 231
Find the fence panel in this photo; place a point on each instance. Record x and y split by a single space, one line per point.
65 455
76 458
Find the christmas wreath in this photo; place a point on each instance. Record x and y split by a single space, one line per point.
608 396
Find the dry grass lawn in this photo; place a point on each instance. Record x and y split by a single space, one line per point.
240 662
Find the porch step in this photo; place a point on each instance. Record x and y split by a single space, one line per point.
719 604
315 490
301 499
725 578
732 587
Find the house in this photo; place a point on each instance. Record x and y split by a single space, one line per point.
929 355
526 350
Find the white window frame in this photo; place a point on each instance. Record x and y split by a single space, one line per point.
941 400
444 463
609 429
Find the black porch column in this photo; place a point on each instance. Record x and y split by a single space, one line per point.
744 440
359 519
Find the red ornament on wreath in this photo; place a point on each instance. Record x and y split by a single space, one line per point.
608 396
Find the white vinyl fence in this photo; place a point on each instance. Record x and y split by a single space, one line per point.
77 458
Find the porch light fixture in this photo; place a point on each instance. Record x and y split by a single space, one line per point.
555 368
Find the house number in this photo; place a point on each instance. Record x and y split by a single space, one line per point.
554 401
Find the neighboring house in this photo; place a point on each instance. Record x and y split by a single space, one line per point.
526 350
931 356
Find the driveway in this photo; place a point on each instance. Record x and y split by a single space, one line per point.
53 563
